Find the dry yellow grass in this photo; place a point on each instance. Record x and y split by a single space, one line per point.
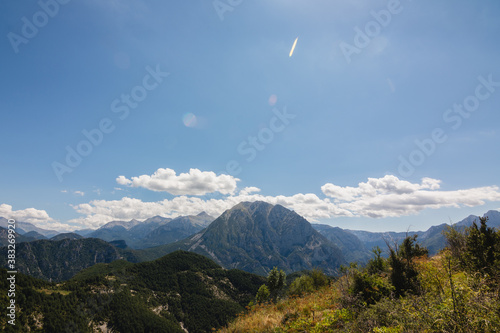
51 291
268 317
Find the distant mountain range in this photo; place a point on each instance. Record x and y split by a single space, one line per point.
351 246
257 236
4 234
253 237
433 238
154 231
25 227
107 286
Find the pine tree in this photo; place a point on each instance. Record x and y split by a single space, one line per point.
276 282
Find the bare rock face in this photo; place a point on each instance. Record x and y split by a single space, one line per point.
257 236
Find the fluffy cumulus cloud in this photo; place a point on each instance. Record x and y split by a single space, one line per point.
378 197
377 186
195 182
25 215
248 190
99 212
39 218
392 197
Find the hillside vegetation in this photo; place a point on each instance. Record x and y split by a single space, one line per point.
58 260
178 292
457 290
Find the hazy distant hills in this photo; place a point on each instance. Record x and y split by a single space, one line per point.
177 229
4 234
256 236
181 290
433 238
153 231
67 235
353 249
24 227
120 230
253 237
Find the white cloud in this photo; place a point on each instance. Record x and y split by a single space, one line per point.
26 215
99 212
392 197
248 190
377 186
39 218
195 182
377 197
80 193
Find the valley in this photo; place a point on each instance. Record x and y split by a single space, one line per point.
184 265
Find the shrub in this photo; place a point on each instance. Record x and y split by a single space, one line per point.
276 281
262 294
319 279
456 242
481 251
377 264
301 285
370 287
404 273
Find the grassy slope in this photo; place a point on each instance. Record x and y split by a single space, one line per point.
449 303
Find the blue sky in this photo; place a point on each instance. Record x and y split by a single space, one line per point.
192 106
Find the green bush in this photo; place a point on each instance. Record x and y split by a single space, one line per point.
301 285
276 282
377 264
482 249
370 287
319 278
262 294
404 273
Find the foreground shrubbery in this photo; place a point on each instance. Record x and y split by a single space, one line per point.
455 291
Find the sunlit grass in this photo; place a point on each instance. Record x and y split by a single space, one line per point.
51 291
450 301
286 313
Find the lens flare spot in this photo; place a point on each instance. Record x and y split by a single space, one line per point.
273 99
293 46
189 120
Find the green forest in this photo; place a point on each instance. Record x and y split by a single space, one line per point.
155 296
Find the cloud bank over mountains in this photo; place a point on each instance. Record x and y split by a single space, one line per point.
388 196
391 197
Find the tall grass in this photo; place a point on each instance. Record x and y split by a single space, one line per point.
449 300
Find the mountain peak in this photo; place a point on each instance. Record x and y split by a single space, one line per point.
203 214
123 224
256 236
253 205
157 219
